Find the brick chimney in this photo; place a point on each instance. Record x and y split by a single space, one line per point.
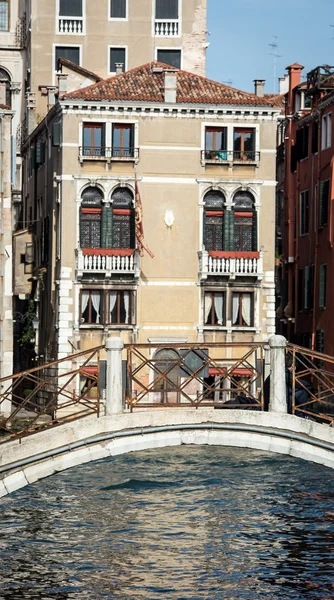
294 72
170 86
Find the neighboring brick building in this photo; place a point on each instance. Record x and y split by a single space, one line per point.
306 151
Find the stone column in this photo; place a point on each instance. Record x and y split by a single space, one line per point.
278 399
114 392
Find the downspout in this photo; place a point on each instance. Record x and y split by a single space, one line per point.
316 234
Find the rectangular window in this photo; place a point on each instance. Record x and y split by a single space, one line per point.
119 307
315 130
323 205
4 15
304 213
302 143
118 9
92 307
93 139
170 57
244 143
242 309
216 143
308 287
214 309
166 9
117 57
322 285
326 131
300 288
123 140
70 8
71 53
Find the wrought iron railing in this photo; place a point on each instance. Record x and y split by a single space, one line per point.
102 152
195 376
50 394
310 383
227 156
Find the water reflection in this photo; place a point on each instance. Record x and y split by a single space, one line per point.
180 523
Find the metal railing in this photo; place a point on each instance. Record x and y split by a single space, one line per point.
195 376
228 156
166 27
310 383
50 395
104 152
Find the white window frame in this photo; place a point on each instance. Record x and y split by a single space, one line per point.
118 19
75 34
157 48
124 47
230 130
326 131
168 37
54 46
301 197
108 129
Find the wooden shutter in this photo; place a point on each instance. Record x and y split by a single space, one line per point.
228 230
322 286
323 208
56 133
106 227
254 231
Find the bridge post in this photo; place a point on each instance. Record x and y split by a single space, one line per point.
278 399
114 394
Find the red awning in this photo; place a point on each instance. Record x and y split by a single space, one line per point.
89 371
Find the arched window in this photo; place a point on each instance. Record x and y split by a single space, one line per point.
245 223
213 226
5 78
4 15
90 218
123 219
169 381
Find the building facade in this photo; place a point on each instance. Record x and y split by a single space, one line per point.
200 159
306 163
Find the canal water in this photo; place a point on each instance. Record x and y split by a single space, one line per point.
178 523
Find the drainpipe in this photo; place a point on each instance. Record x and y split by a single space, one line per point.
316 235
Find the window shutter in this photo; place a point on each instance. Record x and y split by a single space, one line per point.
323 208
254 231
56 133
106 228
322 286
306 286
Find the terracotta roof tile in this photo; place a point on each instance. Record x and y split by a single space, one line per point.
77 68
277 100
142 84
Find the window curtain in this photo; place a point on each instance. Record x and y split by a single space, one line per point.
207 306
112 302
126 296
219 304
246 309
235 307
96 300
84 301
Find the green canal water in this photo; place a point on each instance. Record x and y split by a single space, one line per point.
177 523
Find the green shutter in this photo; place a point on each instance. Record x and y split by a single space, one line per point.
254 231
106 228
228 230
322 286
323 208
56 133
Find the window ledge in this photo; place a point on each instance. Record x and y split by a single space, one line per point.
96 326
120 326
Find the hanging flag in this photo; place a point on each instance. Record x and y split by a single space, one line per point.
139 226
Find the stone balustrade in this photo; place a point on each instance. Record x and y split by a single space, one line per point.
107 263
167 28
71 25
224 264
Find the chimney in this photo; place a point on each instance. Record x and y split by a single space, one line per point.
31 111
52 95
294 72
170 86
62 84
119 68
283 84
2 93
259 87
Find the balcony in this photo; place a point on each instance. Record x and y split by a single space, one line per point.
107 262
230 264
167 28
218 157
71 25
101 153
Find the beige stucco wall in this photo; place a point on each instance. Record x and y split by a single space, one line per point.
171 177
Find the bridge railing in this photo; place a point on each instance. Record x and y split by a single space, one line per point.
50 395
310 383
195 375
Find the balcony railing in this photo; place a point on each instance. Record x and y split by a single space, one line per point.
107 262
167 28
230 264
71 25
229 156
104 153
